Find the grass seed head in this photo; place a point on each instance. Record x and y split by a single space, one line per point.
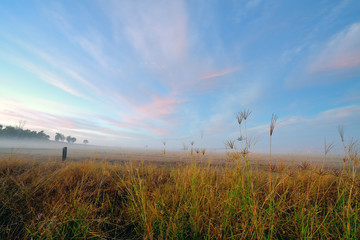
327 148
239 117
272 123
245 114
340 129
203 151
304 165
241 138
197 150
230 144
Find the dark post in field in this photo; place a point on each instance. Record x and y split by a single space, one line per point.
64 153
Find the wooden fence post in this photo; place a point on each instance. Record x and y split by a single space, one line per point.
64 153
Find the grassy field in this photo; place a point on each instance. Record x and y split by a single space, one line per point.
194 197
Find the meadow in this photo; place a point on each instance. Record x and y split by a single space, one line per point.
191 194
193 199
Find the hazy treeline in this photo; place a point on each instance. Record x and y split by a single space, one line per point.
18 132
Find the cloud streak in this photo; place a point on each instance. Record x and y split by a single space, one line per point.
342 51
337 59
226 72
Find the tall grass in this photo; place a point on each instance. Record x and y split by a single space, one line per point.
137 200
192 200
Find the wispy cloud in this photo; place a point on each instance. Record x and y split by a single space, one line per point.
332 117
337 59
158 42
252 4
46 75
228 71
81 126
159 106
57 61
342 51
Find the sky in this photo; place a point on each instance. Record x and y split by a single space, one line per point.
129 73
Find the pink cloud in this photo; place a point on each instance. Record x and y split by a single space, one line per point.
160 106
52 123
338 64
342 51
337 59
214 75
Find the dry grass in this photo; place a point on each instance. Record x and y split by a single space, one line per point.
134 200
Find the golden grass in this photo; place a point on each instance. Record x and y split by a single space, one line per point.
136 200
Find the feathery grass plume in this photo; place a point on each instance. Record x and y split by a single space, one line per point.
164 143
321 172
244 115
230 143
327 149
197 150
340 129
241 138
271 168
304 165
192 147
353 150
239 118
272 127
203 151
272 123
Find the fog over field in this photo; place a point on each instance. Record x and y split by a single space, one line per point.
50 151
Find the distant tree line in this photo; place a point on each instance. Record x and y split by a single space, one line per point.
19 133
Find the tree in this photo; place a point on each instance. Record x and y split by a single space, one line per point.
59 137
85 141
73 140
20 133
68 139
42 135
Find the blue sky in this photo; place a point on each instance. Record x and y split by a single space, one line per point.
134 73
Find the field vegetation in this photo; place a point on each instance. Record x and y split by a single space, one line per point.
96 199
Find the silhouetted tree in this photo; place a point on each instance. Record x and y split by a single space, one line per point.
42 135
85 141
68 139
59 137
9 132
19 133
73 140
